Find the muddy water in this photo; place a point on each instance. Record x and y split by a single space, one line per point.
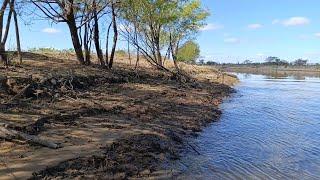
270 129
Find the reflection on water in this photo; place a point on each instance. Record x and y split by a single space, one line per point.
270 129
284 75
278 73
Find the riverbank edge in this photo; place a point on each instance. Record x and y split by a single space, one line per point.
172 145
145 154
168 147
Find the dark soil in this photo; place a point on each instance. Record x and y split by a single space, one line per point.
123 159
112 124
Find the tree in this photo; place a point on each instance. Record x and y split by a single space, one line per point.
212 63
4 31
271 60
160 26
82 18
115 34
247 61
276 61
189 52
300 62
64 11
97 34
76 14
189 18
148 19
16 25
201 62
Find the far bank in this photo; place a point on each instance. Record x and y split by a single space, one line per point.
273 71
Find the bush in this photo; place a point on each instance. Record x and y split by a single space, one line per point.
121 52
50 50
189 52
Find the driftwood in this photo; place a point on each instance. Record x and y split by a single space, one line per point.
19 93
25 89
10 134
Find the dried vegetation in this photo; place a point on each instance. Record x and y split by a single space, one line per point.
109 124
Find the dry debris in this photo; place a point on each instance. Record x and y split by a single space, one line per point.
111 124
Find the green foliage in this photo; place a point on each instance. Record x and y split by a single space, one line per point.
51 50
161 24
121 52
189 52
247 62
189 18
275 61
300 62
44 50
212 63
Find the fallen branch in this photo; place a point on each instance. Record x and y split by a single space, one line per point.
20 93
26 88
10 134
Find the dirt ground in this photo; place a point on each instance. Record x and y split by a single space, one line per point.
110 124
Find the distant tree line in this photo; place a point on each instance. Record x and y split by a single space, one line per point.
269 61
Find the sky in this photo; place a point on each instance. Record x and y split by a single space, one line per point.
236 30
255 29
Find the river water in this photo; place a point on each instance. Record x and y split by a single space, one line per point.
270 129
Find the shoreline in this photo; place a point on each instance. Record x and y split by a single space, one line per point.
272 69
114 124
274 72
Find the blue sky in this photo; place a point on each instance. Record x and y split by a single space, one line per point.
236 30
254 29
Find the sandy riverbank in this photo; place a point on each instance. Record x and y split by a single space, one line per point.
112 124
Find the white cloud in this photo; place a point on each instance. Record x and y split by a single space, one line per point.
51 30
304 36
317 35
296 21
255 26
276 21
212 26
312 53
226 34
260 54
232 40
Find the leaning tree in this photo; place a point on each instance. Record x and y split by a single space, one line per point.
75 14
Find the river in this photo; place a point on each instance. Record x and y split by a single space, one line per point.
270 129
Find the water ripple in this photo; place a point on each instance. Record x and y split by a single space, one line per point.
269 130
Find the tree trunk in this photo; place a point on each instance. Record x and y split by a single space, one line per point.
115 36
17 33
3 37
7 28
138 48
174 53
86 45
96 36
129 50
107 43
75 38
2 10
158 51
138 58
3 54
